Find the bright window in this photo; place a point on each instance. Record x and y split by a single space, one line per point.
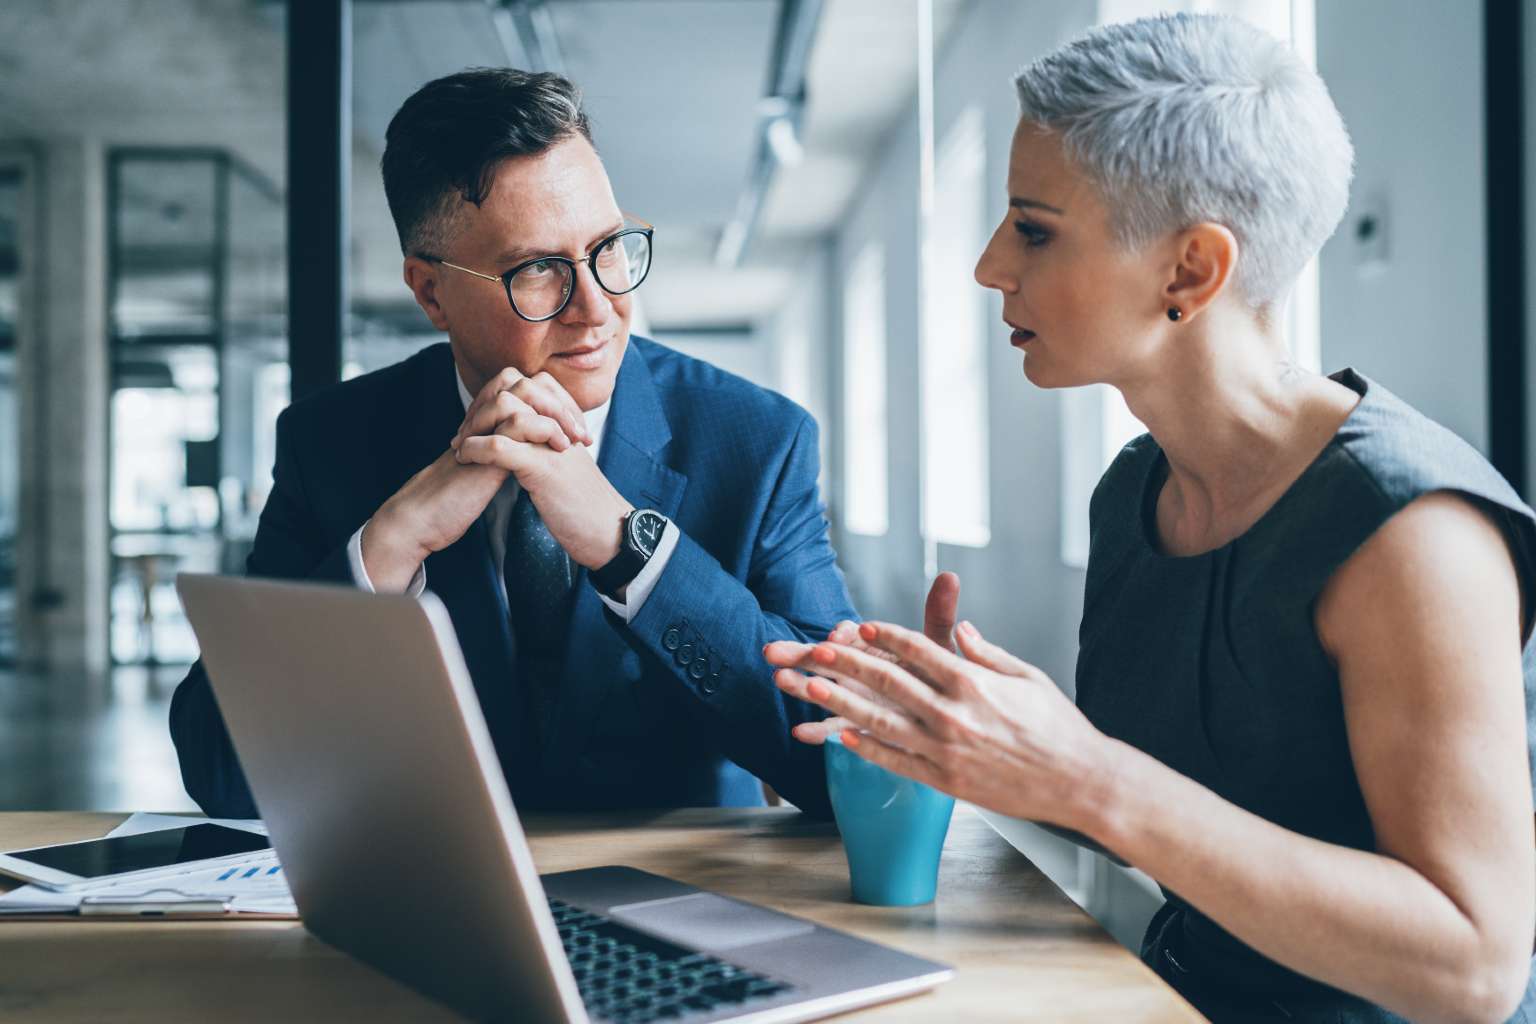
953 355
866 498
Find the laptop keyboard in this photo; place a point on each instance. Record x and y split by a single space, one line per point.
628 977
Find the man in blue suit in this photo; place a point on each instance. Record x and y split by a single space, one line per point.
616 529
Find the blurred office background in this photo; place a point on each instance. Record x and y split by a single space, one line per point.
822 175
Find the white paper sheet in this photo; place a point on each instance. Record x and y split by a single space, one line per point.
254 885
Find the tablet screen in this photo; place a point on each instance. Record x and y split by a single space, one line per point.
165 848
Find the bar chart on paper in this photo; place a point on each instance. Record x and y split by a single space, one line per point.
254 885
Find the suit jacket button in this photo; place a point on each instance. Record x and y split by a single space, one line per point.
711 684
698 670
671 638
684 654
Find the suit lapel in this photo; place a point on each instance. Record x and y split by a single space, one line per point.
636 433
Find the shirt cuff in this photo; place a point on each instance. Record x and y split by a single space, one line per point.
641 586
360 571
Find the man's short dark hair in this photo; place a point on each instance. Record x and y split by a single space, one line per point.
446 141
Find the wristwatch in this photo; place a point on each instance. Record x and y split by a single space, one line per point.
640 536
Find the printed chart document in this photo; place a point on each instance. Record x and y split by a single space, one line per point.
255 885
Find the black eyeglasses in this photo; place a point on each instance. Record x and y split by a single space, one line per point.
539 289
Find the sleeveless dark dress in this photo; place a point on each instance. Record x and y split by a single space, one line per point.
1212 665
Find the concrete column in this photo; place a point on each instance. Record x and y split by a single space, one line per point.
63 561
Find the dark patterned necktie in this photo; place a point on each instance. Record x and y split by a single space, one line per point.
539 579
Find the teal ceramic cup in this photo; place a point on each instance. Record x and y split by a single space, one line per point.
893 829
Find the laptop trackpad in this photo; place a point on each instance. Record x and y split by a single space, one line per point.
706 921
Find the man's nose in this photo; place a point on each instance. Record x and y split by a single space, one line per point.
589 303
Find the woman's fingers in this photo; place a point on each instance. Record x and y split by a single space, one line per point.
847 632
885 722
987 654
892 682
786 653
817 733
903 762
941 669
794 681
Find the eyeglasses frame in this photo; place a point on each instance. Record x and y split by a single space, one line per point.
645 228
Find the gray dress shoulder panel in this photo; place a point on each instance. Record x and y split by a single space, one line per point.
1212 663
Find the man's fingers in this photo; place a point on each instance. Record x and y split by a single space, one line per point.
551 384
504 381
530 427
940 610
987 654
494 450
553 396
503 408
509 392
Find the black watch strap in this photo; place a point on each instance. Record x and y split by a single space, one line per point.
640 537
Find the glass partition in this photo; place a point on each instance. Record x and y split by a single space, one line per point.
197 299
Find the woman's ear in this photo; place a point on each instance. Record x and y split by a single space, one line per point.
421 278
1205 255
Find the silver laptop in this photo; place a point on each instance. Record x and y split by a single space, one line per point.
364 745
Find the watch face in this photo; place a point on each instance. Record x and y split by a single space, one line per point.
645 528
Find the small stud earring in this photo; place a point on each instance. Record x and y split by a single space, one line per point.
1175 314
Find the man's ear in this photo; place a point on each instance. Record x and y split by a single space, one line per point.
1205 256
421 278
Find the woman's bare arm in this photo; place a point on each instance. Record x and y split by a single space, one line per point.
1424 622
1437 924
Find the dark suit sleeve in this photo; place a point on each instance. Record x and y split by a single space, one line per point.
288 545
707 628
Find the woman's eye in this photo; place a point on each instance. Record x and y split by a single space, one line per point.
1034 235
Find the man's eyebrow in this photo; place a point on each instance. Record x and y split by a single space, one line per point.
522 253
518 255
1020 203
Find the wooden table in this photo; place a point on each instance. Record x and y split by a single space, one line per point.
1023 950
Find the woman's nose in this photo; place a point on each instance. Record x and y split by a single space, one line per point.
989 268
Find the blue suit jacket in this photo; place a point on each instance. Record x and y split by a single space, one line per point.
674 708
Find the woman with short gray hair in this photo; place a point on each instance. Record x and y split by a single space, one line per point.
1306 657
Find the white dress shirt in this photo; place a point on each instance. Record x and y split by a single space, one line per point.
496 515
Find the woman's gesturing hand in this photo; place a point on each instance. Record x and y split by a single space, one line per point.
939 613
982 725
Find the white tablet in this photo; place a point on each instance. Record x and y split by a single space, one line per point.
73 865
